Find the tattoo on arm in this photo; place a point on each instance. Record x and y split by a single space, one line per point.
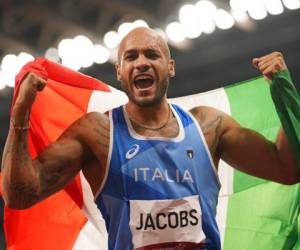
51 173
25 194
36 179
16 149
15 162
102 133
58 164
211 128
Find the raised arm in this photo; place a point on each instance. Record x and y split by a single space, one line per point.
245 149
27 181
250 152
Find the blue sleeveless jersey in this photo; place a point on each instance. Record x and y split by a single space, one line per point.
159 193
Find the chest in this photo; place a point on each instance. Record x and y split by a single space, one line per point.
156 168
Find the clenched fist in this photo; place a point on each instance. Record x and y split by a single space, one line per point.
270 64
29 88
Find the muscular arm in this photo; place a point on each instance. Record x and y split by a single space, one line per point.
27 181
245 149
250 152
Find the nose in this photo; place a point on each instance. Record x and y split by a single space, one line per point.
142 63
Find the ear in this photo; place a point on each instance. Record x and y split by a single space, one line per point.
118 71
171 67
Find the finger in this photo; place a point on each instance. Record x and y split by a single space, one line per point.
274 63
264 64
31 75
255 62
277 65
40 78
37 82
271 56
269 72
41 85
258 62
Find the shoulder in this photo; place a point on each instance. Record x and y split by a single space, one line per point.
200 112
214 124
92 131
88 123
96 118
208 116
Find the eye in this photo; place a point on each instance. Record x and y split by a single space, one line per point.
152 55
129 57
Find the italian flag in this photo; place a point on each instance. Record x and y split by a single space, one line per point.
252 213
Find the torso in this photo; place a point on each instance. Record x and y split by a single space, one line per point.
171 133
99 137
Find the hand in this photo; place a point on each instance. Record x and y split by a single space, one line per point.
29 88
270 64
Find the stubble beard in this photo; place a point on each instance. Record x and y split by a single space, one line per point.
148 102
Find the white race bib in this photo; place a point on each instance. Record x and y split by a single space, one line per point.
166 221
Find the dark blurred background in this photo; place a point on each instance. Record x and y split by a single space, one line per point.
207 62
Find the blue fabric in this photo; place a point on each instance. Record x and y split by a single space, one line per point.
128 179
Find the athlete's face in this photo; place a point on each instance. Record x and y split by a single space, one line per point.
144 67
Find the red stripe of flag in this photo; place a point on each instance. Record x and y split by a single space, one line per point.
55 222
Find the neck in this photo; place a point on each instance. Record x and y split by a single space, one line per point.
153 116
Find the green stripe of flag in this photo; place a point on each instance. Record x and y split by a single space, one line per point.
261 215
287 103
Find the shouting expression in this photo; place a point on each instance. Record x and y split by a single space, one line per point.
144 67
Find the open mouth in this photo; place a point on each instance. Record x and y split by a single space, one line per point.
143 81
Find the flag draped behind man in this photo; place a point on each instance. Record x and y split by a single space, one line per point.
251 212
56 222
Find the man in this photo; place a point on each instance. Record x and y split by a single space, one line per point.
150 165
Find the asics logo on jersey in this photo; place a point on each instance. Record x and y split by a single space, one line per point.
132 151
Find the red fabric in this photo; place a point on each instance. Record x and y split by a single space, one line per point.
48 69
0 186
55 222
